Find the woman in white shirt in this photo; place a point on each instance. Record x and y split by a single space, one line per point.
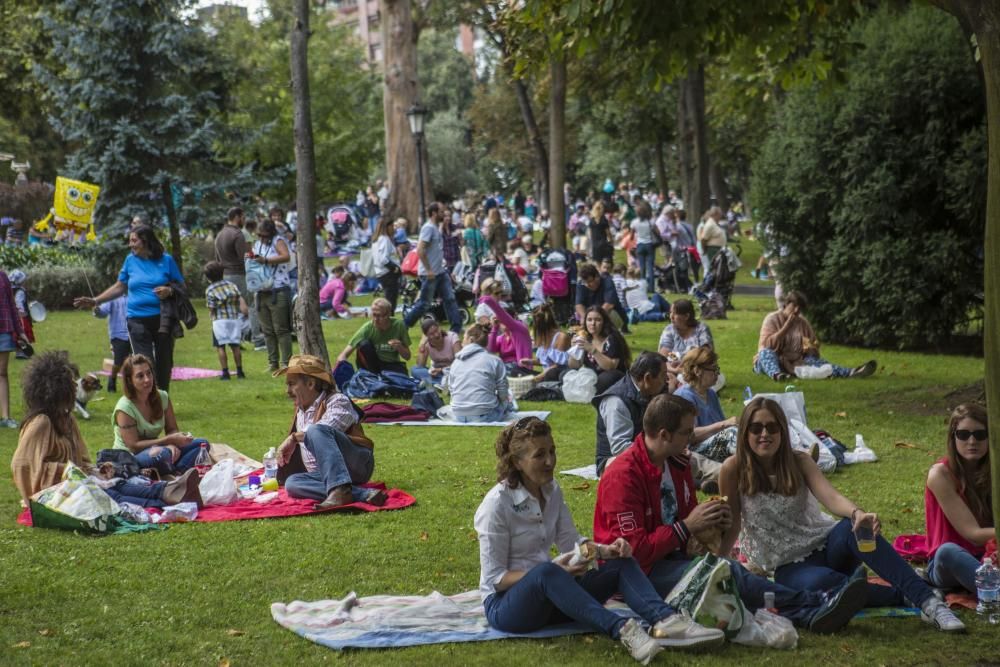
523 590
386 261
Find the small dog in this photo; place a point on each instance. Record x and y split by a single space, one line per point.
86 388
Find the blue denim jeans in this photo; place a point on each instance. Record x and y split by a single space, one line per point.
798 606
767 364
422 373
338 462
497 414
827 568
439 286
549 595
162 461
646 254
138 491
953 567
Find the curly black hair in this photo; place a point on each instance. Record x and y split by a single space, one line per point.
49 388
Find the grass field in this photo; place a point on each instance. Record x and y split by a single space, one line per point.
176 597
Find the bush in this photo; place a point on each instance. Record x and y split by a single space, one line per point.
56 286
876 197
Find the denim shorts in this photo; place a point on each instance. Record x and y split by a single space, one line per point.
7 343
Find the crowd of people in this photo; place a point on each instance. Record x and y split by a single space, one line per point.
661 433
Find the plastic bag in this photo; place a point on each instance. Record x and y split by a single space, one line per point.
78 496
218 486
708 594
792 402
861 453
179 513
768 630
579 386
814 372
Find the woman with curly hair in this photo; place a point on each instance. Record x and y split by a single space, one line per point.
958 499
524 589
50 439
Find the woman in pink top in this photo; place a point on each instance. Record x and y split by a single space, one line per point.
957 501
513 344
334 293
436 351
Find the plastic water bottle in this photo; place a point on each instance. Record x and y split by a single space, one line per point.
988 590
270 465
203 462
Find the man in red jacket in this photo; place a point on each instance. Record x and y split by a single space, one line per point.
647 495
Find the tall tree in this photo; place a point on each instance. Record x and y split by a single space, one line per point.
981 19
400 32
310 329
557 145
692 131
134 88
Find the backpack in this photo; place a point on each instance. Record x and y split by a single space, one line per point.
364 384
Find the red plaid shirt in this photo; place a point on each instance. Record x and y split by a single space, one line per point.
10 321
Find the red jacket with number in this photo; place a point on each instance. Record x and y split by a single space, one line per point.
628 504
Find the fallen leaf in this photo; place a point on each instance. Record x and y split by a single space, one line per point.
233 632
906 510
424 536
473 535
840 414
46 632
581 487
223 662
22 645
905 445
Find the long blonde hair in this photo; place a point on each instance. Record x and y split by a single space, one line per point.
752 478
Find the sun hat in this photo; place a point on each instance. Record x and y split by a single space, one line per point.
306 364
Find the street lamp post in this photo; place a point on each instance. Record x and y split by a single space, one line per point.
416 115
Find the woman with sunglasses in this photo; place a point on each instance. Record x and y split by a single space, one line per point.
524 589
775 495
957 502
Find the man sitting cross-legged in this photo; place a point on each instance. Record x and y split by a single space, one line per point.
647 496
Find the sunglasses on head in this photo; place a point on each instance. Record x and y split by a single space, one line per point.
758 427
979 434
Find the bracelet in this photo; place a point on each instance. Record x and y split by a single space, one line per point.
855 511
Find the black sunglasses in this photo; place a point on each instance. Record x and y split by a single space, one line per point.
979 434
757 428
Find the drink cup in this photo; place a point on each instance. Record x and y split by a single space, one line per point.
864 533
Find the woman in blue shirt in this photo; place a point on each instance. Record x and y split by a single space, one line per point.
145 276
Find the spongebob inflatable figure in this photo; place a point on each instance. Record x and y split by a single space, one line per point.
73 210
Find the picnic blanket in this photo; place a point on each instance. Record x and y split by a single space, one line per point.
382 621
586 472
281 506
181 373
541 414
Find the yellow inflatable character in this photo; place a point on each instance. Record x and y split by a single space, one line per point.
73 212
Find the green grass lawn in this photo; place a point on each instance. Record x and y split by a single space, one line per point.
177 596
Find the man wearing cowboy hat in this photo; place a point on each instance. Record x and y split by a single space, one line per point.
326 454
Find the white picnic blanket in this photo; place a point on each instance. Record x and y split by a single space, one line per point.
586 472
541 414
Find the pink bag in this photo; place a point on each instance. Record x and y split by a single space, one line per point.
555 282
410 263
911 547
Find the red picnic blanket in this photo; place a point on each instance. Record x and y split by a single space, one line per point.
282 506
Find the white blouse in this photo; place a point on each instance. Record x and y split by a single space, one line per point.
516 535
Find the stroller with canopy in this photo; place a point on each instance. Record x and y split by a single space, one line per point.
344 222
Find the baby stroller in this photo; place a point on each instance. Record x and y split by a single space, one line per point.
674 276
519 295
410 291
343 221
721 276
558 276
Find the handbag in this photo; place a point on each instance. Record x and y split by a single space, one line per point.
258 276
410 263
366 263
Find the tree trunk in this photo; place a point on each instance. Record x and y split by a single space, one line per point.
310 330
719 188
400 92
983 18
692 125
534 135
175 232
661 166
557 141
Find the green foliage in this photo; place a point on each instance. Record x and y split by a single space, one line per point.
56 286
29 256
877 199
446 76
452 167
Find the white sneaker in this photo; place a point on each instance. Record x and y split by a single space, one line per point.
679 631
937 614
640 645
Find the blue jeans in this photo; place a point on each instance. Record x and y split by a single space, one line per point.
828 568
953 567
646 254
659 313
796 606
138 491
163 463
338 462
439 286
767 364
497 414
549 595
422 373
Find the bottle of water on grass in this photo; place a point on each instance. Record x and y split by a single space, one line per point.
988 591
270 465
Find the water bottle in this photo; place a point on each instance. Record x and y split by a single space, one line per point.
203 462
988 590
270 465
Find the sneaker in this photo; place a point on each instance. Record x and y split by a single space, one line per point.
814 452
640 645
781 377
865 370
679 631
225 375
240 374
937 614
840 606
8 423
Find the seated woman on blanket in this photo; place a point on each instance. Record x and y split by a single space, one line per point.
50 439
603 348
958 500
714 436
551 344
525 590
787 340
774 494
477 382
326 454
684 333
436 351
145 424
383 343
